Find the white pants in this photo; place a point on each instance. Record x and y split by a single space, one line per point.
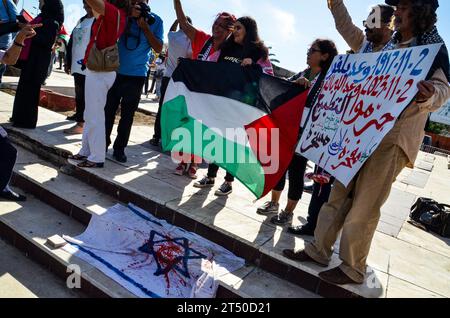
96 92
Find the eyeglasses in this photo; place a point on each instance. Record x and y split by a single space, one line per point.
222 26
313 50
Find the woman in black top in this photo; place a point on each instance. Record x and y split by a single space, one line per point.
319 58
34 69
246 48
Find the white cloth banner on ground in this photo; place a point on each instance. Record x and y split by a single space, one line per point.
150 257
442 115
361 99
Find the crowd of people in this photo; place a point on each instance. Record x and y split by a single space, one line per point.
108 55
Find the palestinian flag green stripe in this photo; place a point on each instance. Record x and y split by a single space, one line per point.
243 163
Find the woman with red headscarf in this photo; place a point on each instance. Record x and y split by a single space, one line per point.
205 47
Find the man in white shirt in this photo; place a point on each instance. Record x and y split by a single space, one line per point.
179 47
8 153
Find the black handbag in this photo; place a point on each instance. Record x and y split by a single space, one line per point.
431 215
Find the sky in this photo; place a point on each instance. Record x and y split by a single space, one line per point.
288 26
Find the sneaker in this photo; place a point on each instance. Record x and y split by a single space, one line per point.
179 171
224 190
268 208
204 183
75 130
282 218
192 172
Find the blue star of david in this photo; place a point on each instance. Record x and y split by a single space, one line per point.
180 263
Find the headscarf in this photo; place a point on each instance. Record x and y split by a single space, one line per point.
53 9
441 60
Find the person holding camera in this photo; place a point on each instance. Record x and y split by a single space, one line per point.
8 154
144 32
102 61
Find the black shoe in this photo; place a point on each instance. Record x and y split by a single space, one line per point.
301 230
204 183
154 141
12 196
120 156
72 118
309 189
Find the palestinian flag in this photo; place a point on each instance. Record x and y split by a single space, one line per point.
244 121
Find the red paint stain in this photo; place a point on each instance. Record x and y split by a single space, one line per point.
167 254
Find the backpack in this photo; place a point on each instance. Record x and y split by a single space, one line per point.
431 216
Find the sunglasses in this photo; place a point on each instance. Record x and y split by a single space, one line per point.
313 50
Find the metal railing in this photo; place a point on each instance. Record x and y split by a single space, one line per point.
433 150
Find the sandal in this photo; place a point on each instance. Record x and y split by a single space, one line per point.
89 164
77 157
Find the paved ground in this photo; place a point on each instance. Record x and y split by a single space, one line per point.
22 278
404 261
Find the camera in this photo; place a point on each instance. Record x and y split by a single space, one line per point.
146 13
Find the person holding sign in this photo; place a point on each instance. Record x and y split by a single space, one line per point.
378 27
319 58
355 209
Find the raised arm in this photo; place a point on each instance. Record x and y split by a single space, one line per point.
353 35
97 5
174 26
187 28
12 55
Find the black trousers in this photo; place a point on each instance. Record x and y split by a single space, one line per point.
26 102
212 173
164 83
8 156
126 92
319 197
80 101
296 172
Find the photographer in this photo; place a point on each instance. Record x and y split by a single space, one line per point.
144 32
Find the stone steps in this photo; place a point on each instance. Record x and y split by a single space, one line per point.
224 222
76 202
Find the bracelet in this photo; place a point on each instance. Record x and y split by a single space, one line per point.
18 44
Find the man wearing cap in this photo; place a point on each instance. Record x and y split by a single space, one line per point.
356 209
378 27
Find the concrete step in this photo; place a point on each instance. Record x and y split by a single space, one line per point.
27 225
20 277
78 201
